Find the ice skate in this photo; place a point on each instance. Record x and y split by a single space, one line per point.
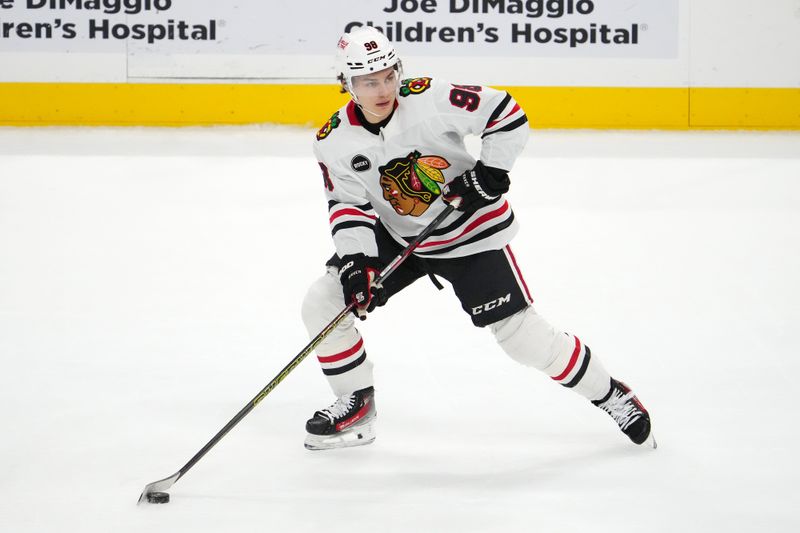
348 422
628 412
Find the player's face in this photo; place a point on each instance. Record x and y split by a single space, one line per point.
376 93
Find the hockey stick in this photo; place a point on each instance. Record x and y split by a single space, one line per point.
166 483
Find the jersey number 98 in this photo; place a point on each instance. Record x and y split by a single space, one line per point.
465 97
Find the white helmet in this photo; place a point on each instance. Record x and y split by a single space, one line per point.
362 51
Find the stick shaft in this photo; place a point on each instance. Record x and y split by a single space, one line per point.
332 325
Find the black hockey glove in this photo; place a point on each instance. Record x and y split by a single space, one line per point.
477 187
358 275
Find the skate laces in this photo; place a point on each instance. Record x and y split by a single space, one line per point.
339 408
621 408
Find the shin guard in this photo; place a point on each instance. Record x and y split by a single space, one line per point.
341 355
530 340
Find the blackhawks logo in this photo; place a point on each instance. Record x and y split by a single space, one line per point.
329 126
414 86
411 184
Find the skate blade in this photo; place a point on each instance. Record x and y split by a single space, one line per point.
650 442
356 436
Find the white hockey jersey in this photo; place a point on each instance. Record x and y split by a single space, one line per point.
397 176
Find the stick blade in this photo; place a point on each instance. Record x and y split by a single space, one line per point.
158 486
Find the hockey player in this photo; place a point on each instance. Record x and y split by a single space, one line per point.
391 159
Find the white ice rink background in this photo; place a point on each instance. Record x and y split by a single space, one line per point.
150 285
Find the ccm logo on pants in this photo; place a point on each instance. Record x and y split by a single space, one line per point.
488 306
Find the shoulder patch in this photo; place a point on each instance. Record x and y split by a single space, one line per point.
329 126
414 86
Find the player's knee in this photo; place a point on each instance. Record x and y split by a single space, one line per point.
527 338
320 302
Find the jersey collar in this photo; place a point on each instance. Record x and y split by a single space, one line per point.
356 117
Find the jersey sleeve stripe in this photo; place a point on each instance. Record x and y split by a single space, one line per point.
351 224
364 207
496 122
351 212
512 126
498 110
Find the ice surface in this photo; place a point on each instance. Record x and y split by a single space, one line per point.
150 285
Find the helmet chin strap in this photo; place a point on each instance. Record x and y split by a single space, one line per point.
360 105
349 83
364 109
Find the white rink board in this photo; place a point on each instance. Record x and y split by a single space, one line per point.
561 28
702 43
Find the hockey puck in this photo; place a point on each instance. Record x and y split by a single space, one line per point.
158 497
